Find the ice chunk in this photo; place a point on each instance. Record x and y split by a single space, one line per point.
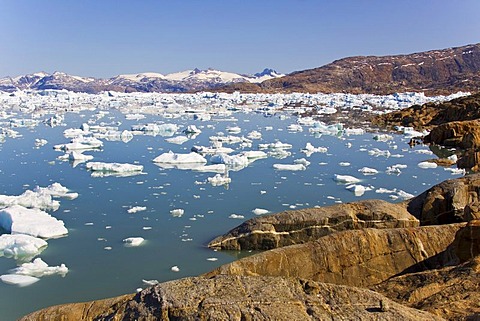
155 129
234 129
347 179
236 216
133 241
113 167
136 209
38 268
255 154
456 171
344 164
368 171
20 280
276 145
378 152
56 190
192 129
179 140
150 282
302 161
289 167
173 158
20 246
254 135
382 137
358 190
217 168
426 165
218 180
395 169
178 212
295 128
239 160
175 268
310 149
31 199
20 220
260 211
39 142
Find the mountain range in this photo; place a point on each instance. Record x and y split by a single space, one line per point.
186 81
432 72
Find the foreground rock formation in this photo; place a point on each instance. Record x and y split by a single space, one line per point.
432 268
300 226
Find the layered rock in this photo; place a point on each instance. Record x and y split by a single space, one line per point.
355 258
248 298
452 201
301 226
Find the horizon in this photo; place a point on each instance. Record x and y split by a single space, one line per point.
106 39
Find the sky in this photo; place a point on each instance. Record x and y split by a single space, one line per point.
105 38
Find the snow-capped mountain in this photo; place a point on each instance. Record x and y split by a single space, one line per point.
185 81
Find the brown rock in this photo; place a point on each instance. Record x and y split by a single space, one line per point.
461 134
248 298
451 201
451 292
469 160
467 241
355 258
300 226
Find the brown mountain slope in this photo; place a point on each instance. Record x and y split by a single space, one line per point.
433 72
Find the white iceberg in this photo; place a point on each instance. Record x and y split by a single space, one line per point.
113 167
347 179
310 149
219 180
217 168
192 129
179 140
239 160
136 209
378 152
20 246
133 241
20 280
368 171
174 158
260 211
38 268
427 165
178 212
289 167
17 219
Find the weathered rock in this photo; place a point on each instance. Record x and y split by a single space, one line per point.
469 160
451 292
467 241
300 226
249 298
355 258
461 134
451 201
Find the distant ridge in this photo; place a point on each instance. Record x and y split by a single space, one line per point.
433 72
185 81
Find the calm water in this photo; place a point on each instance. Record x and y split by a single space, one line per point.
96 272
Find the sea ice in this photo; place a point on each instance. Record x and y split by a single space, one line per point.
217 168
173 158
38 268
179 140
302 161
235 161
347 179
276 145
31 199
20 280
368 171
192 129
133 241
136 209
426 165
310 149
378 152
254 135
20 246
289 167
178 212
17 219
56 190
236 216
456 171
219 180
175 268
113 167
260 211
383 137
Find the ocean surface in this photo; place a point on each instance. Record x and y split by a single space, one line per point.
99 263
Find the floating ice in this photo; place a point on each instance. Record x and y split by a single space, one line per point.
20 280
276 145
178 212
175 268
427 165
217 168
302 161
38 268
322 128
192 129
456 171
236 216
40 142
353 131
215 149
179 140
255 154
347 179
173 158
368 171
383 137
310 149
114 167
235 161
219 180
155 129
31 199
233 129
344 164
136 209
150 282
378 152
260 211
133 241
20 246
358 190
295 128
56 190
254 135
395 169
423 151
289 167
17 219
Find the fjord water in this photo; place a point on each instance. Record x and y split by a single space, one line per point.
101 266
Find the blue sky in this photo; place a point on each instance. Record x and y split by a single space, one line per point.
104 38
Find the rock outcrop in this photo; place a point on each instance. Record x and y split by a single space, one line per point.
356 258
249 298
452 201
301 226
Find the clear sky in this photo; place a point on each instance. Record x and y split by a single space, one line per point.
104 38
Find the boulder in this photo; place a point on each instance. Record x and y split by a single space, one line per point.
247 298
452 201
355 258
467 241
461 134
301 226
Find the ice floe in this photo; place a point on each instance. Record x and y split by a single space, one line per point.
346 179
20 246
427 165
20 280
368 171
133 241
17 219
289 167
178 212
136 209
175 158
219 180
260 211
38 268
113 168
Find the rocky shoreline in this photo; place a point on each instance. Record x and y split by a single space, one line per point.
416 260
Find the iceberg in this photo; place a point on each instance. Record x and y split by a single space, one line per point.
136 209
310 149
236 161
38 268
178 212
219 180
20 246
173 158
368 171
289 167
20 280
17 219
192 129
347 179
179 140
133 241
260 211
113 167
426 165
217 168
